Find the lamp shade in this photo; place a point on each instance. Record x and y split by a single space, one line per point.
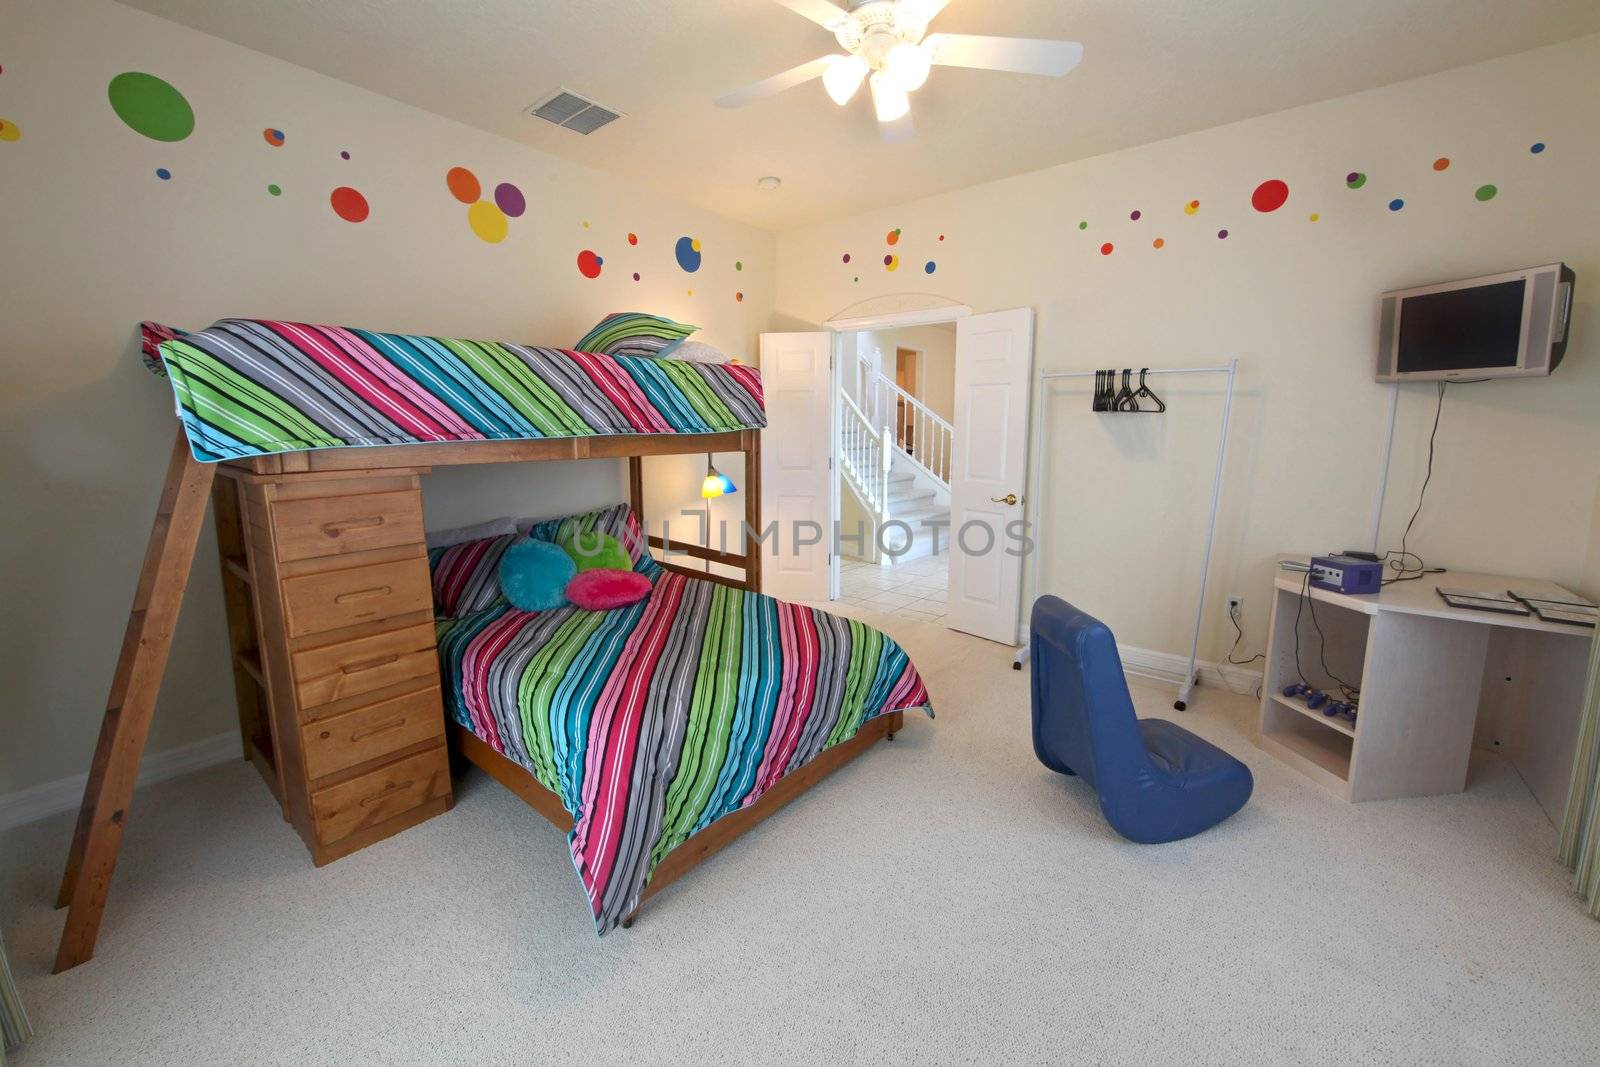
843 77
716 484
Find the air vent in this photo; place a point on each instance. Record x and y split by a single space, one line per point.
567 109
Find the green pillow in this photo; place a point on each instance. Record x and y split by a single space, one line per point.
595 550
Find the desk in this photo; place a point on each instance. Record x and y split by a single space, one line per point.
1435 682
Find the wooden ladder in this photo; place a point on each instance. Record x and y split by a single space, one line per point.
109 791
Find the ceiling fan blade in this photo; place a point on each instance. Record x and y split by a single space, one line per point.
1019 55
828 16
775 84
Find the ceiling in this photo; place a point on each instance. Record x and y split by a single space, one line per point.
1152 69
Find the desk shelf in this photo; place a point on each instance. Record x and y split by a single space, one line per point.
1332 722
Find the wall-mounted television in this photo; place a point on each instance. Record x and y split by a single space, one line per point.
1511 325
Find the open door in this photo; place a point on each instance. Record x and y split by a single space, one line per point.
796 464
989 471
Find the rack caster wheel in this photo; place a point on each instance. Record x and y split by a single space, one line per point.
1180 705
1016 666
627 924
888 737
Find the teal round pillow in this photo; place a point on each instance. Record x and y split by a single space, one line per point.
597 551
534 575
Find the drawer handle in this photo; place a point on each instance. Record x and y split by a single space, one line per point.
334 529
388 791
368 664
378 728
363 594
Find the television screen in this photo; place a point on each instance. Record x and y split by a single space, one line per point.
1461 329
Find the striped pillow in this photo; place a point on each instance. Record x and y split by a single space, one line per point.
633 333
466 577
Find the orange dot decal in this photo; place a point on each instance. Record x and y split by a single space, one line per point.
1191 207
463 185
1159 242
349 204
1442 163
893 237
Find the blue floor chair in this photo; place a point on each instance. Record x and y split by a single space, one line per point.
1157 781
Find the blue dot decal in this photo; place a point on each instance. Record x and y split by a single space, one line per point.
688 252
163 173
1536 147
1396 204
929 267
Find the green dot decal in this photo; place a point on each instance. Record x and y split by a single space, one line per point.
1083 225
1355 179
1486 192
150 106
738 264
274 190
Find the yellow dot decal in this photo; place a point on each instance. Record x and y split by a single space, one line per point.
9 131
488 221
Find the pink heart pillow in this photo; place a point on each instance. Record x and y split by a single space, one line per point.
602 589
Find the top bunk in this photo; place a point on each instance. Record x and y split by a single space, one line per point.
281 397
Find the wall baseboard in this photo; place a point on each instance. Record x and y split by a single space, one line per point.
65 794
1170 667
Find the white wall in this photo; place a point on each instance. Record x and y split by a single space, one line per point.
1514 486
937 385
93 242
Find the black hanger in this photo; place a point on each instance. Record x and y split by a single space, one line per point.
1124 399
1104 390
1145 391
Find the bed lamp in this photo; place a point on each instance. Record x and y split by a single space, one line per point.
716 483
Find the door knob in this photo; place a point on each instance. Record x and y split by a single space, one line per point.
1009 498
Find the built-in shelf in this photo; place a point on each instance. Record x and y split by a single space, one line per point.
1332 722
1324 748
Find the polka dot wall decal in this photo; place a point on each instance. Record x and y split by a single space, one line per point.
929 267
891 262
633 238
273 190
463 184
1396 204
1107 248
687 252
488 221
1486 193
1084 225
1134 215
1222 235
589 264
349 204
1270 195
509 199
586 224
1314 216
1191 207
1355 179
738 264
893 237
150 106
345 154
857 278
635 275
941 237
273 137
163 173
1537 148
1442 163
1159 242
738 298
9 131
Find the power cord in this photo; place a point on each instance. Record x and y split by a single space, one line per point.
1238 631
1397 559
1351 693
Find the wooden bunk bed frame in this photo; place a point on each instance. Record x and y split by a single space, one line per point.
352 762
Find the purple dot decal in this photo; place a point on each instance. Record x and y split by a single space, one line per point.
888 259
1396 204
1134 215
508 198
1355 179
847 257
344 155
635 275
1222 235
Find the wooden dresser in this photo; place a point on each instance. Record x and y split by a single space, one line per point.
330 617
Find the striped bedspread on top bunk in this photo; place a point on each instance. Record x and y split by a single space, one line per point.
248 387
651 721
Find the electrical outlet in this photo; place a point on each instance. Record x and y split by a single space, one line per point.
1235 606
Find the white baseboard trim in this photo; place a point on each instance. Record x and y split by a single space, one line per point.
65 794
1170 667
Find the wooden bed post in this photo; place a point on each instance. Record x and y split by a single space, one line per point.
145 645
752 508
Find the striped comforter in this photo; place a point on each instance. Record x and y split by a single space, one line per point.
651 721
248 387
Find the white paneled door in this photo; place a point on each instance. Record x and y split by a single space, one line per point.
989 470
796 447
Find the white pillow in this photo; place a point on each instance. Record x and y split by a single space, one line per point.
475 532
697 352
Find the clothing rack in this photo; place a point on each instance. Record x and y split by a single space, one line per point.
1035 498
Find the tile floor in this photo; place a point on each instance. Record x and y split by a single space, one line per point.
914 590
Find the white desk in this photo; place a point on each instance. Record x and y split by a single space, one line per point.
1435 681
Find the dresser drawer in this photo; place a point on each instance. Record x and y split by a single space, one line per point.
341 810
353 737
332 525
316 603
350 668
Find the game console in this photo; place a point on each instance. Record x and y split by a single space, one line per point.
1346 574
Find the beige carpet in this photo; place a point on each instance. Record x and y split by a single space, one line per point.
943 899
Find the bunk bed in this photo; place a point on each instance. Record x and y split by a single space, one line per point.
321 436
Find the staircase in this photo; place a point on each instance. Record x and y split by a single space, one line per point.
895 457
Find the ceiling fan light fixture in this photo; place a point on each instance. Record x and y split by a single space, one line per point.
888 99
909 64
843 77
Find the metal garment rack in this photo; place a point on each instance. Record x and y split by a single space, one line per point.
1035 497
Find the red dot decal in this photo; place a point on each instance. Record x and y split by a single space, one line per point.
588 264
633 238
1107 248
1270 195
349 204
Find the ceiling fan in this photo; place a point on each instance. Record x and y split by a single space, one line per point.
887 45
